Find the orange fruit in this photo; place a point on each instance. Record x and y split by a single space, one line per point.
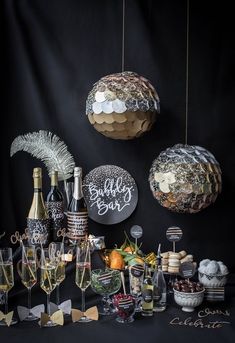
116 260
129 249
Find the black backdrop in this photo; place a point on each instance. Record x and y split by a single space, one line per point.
53 51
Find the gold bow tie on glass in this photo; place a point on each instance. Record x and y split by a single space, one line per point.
91 313
23 312
56 318
7 317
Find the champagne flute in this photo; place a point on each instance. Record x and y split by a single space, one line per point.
83 272
28 274
48 279
6 278
56 251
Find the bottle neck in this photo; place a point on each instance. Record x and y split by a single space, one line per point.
77 193
37 184
54 181
159 263
147 272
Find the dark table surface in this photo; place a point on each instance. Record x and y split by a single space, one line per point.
171 325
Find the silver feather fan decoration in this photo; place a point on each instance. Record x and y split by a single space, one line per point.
49 148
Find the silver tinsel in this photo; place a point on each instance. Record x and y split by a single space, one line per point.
185 178
122 105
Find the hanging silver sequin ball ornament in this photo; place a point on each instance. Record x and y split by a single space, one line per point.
185 178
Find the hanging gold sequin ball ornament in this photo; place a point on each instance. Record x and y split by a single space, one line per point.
185 178
122 105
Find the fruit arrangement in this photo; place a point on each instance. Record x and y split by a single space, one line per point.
127 255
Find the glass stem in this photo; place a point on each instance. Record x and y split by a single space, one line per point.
29 299
83 300
6 302
48 304
57 295
106 304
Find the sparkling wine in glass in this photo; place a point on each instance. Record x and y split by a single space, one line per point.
83 272
56 251
28 274
6 278
48 280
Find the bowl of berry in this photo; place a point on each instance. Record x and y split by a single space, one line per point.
125 307
188 294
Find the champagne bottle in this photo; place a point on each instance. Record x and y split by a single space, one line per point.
54 206
147 293
159 285
77 216
38 219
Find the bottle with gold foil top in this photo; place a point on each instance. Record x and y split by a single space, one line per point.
38 219
77 216
55 208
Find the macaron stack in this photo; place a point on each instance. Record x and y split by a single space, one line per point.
171 261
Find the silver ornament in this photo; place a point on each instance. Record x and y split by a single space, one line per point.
185 178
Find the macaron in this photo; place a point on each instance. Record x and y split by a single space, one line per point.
182 253
190 258
187 258
174 262
165 254
173 270
175 255
165 261
165 268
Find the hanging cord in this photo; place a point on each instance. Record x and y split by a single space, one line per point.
123 33
187 77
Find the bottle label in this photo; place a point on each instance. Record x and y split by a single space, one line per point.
137 270
55 211
147 295
38 230
77 223
126 305
105 279
157 294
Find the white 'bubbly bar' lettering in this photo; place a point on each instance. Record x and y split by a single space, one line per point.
111 188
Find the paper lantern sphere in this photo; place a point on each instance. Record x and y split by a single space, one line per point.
185 178
122 105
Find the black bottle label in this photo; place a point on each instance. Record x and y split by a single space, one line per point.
137 270
77 223
157 294
126 305
38 230
56 214
105 279
147 295
55 211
